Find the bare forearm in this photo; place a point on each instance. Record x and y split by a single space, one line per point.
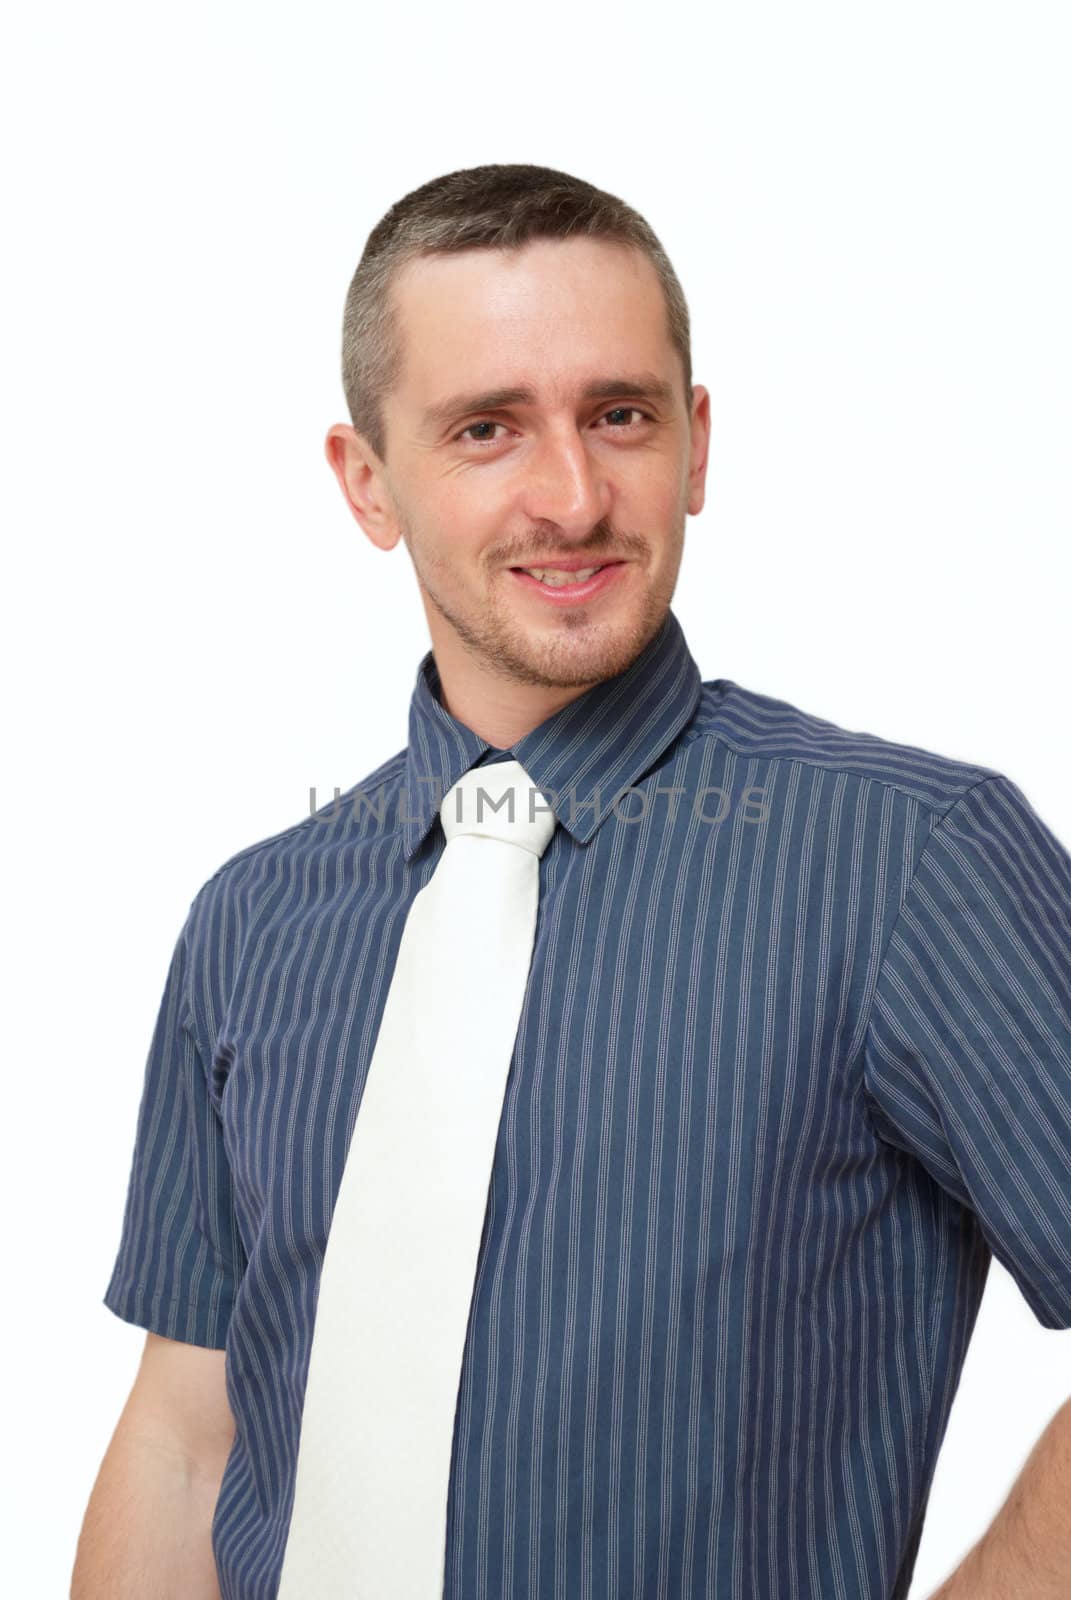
1026 1552
147 1528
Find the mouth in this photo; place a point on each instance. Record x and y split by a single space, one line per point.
572 582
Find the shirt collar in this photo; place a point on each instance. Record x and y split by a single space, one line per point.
584 756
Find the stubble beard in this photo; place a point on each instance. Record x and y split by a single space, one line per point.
573 647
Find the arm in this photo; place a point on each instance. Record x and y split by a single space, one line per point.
1026 1553
147 1528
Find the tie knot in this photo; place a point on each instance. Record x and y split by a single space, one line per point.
499 801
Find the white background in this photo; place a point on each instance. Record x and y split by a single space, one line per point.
867 208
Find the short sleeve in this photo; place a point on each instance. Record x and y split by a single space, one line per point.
967 1058
180 1258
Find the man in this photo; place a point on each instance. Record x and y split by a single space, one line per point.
793 1062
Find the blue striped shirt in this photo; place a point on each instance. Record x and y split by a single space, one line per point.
794 1062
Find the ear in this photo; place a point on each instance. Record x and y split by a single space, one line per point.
362 479
700 446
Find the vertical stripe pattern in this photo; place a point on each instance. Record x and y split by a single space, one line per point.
793 1064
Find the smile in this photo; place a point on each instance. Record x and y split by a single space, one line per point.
566 587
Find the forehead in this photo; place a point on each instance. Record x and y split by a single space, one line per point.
549 314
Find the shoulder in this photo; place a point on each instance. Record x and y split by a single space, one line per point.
773 732
339 822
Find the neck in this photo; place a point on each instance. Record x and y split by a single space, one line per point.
498 708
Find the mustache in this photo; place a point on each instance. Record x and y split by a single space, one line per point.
604 546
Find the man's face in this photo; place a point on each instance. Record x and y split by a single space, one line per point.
482 484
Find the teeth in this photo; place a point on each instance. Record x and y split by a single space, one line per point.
554 578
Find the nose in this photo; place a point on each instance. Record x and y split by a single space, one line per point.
565 485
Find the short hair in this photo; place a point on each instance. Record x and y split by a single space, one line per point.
494 207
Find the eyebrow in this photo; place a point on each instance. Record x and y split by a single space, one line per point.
640 386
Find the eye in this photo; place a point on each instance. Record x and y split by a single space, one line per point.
625 410
486 422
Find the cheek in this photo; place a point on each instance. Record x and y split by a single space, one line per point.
653 497
650 478
472 508
469 497
464 513
456 521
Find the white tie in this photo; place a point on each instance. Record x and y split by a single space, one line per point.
373 1466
